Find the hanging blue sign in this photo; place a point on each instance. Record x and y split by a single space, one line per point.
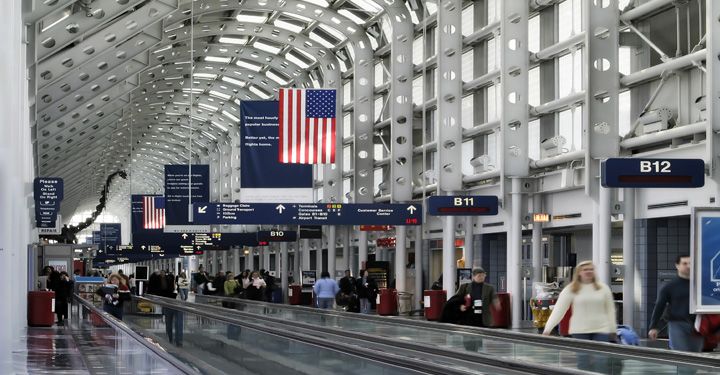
179 191
465 205
189 243
307 214
705 277
96 237
110 236
48 193
652 173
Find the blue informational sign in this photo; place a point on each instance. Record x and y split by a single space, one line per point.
653 173
469 205
189 243
705 284
48 193
178 189
259 165
110 234
96 237
307 214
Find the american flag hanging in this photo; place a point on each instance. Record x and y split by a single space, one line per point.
307 126
153 212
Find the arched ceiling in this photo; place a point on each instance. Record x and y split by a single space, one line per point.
123 84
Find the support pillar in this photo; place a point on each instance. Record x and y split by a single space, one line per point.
537 255
236 261
224 260
514 277
250 260
362 249
318 258
400 258
629 257
469 248
305 256
418 268
332 251
284 269
602 267
265 258
448 255
346 248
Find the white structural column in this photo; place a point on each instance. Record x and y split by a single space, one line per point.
16 175
514 132
712 83
418 268
400 258
236 260
192 265
362 249
283 269
449 129
224 261
250 260
265 262
305 246
604 233
318 258
629 257
537 255
346 248
469 248
332 250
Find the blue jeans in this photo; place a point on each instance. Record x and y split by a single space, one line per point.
183 293
592 362
364 306
683 337
325 303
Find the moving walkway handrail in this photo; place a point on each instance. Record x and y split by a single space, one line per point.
120 326
669 357
477 359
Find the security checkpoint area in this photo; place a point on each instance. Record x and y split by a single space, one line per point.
360 186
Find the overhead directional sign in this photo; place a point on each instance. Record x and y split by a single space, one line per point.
466 205
277 236
48 193
653 173
307 214
190 243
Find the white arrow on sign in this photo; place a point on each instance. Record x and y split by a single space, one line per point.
184 236
202 209
280 208
411 209
142 247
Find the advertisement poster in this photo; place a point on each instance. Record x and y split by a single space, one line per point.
184 184
705 275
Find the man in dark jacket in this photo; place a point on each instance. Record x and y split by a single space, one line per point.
201 279
478 298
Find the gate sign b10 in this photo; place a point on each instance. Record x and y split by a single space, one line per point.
653 173
465 205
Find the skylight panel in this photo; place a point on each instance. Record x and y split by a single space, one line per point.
230 116
219 94
316 37
297 17
276 77
234 81
367 4
248 65
332 31
217 59
257 91
352 16
321 3
163 49
288 26
252 17
228 40
267 47
204 75
295 60
207 107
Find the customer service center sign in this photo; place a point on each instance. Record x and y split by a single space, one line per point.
705 254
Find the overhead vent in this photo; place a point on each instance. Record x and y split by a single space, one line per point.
568 216
667 205
495 224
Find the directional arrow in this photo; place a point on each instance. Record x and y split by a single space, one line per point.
142 247
280 208
412 209
184 236
202 210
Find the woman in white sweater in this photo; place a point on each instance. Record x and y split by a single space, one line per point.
593 312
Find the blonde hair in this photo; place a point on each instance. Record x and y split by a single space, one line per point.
116 276
576 284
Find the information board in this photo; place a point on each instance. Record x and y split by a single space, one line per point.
110 236
48 193
190 243
705 258
652 173
179 191
464 205
307 214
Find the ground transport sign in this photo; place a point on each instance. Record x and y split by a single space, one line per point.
652 173
465 205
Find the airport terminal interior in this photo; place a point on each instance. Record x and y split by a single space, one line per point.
360 187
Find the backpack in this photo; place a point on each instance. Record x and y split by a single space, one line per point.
627 336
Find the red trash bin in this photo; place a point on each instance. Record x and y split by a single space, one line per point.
41 308
434 302
295 294
387 302
501 316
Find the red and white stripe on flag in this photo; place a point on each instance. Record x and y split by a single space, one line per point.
153 217
305 138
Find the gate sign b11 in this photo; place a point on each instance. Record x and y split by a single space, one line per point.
653 173
466 205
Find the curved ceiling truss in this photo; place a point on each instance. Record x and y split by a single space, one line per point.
115 83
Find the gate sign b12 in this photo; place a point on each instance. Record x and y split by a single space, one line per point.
653 173
470 205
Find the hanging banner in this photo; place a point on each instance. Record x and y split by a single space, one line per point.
179 191
48 193
705 260
262 177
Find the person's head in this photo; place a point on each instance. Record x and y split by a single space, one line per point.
682 264
262 272
229 275
479 275
347 273
325 275
76 272
255 275
182 274
120 272
584 274
115 279
364 273
132 275
47 270
245 274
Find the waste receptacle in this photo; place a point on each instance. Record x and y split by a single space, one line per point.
404 303
276 296
41 308
501 316
295 294
387 302
433 303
